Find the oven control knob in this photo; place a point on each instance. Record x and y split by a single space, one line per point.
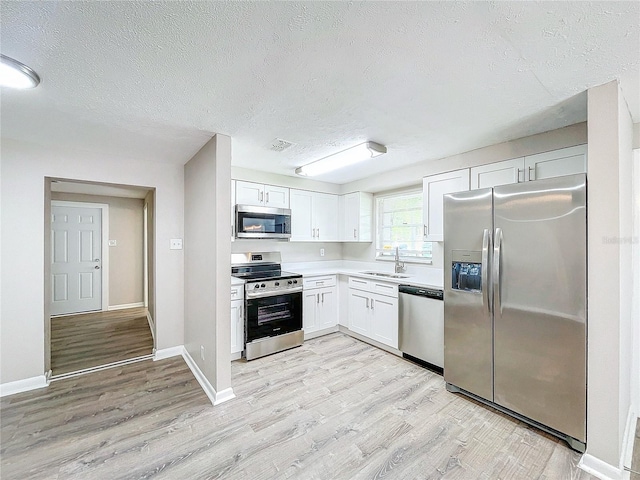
257 286
295 281
263 285
277 284
289 282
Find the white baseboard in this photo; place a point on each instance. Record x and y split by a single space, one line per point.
320 333
24 385
152 326
600 469
236 356
627 442
125 306
216 398
168 352
370 341
224 395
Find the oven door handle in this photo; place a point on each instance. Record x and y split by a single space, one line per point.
251 295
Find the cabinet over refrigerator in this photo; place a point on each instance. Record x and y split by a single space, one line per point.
515 301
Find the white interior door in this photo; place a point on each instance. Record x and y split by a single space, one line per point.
76 269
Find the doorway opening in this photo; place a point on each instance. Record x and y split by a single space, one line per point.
99 264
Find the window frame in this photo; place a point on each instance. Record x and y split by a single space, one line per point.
379 253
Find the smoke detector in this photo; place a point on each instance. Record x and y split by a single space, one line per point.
280 145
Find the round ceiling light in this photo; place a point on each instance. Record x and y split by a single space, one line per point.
14 74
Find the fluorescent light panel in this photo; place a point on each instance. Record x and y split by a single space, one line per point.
14 74
352 155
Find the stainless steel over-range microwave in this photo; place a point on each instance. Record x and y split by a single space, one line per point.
262 222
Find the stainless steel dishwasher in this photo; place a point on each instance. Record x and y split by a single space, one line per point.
421 335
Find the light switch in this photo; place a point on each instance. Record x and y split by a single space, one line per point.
176 244
112 243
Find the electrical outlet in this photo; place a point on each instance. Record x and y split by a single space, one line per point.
322 252
176 244
202 352
113 243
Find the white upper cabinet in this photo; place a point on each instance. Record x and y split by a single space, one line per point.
434 188
356 217
301 219
249 193
499 173
233 213
556 163
277 197
313 216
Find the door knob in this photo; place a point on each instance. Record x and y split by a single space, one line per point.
97 267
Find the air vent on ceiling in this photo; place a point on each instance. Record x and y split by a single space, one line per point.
279 145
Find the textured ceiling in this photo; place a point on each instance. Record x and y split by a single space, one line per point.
155 80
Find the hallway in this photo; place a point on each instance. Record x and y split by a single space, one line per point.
89 340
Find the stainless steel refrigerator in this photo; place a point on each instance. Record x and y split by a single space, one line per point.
515 303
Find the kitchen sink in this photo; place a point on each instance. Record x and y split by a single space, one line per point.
385 274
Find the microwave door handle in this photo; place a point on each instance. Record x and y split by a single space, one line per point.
486 245
497 300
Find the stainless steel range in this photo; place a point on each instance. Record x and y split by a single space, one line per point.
273 303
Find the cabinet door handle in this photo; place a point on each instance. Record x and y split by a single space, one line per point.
367 303
519 172
323 297
372 304
318 233
261 197
354 233
234 291
320 283
424 229
267 197
532 173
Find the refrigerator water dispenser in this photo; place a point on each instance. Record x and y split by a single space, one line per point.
466 271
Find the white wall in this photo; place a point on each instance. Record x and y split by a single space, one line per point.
635 313
291 251
23 168
208 260
609 323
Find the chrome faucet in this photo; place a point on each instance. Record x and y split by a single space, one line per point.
399 265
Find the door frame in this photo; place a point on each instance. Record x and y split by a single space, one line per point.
104 271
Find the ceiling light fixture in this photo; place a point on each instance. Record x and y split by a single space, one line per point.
14 74
352 155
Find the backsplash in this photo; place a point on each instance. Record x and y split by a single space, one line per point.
292 252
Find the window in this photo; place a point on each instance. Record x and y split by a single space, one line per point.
399 224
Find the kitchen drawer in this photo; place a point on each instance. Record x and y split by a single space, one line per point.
360 284
374 286
319 282
237 292
388 289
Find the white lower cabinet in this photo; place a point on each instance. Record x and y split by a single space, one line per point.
319 304
237 319
374 315
384 315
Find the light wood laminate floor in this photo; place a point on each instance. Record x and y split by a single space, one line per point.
335 408
89 340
